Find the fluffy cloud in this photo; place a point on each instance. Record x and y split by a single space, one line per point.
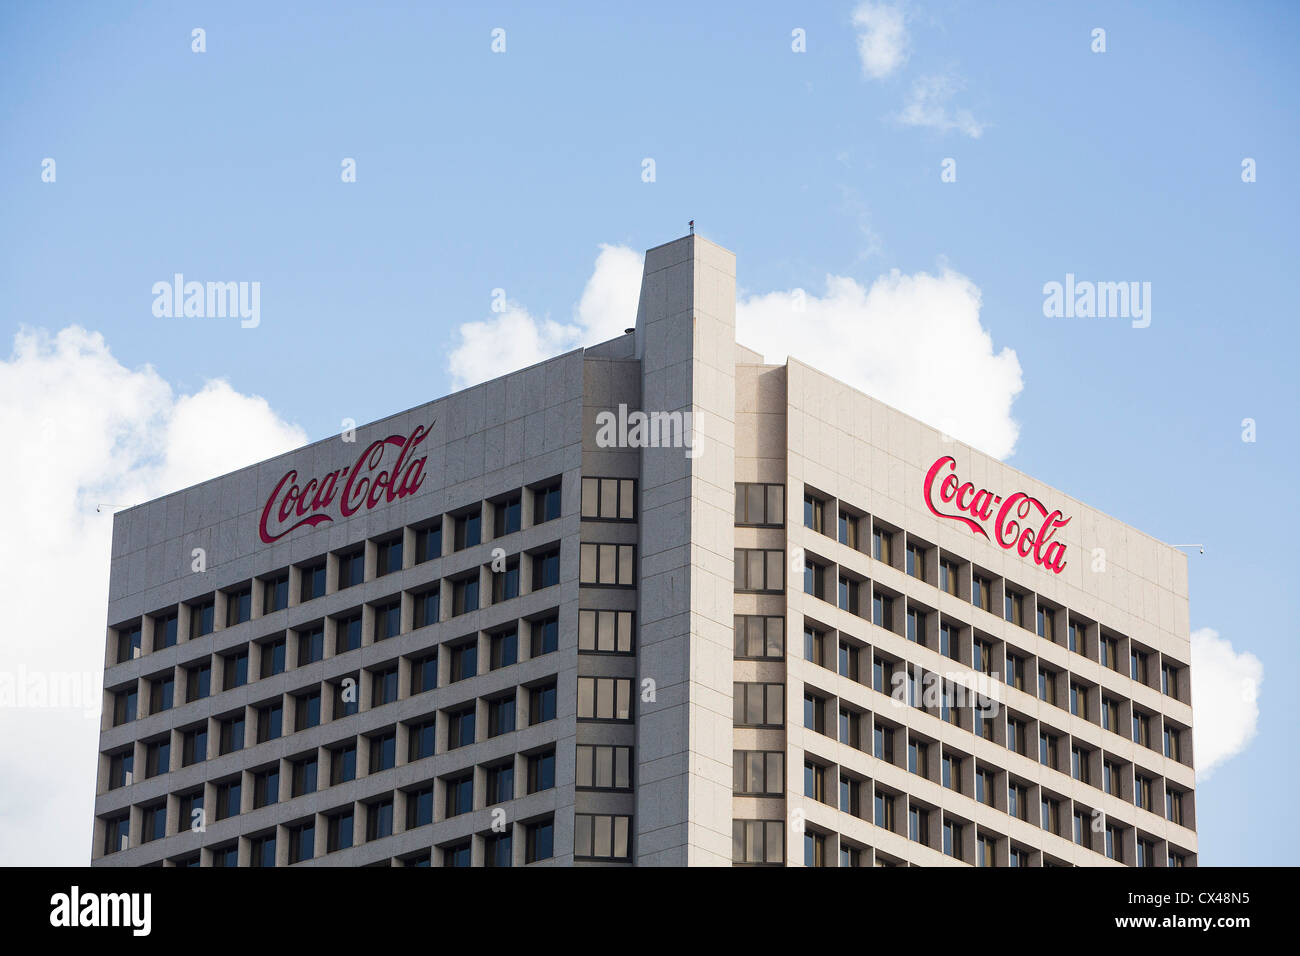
928 105
514 338
88 432
911 341
1225 699
882 38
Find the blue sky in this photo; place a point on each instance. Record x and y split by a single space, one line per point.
478 171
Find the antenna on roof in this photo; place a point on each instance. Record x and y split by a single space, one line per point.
1201 546
692 225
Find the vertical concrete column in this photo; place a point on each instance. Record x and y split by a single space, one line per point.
685 338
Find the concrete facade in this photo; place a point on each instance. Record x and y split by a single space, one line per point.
630 721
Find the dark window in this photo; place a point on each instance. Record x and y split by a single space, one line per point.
194 746
388 620
270 723
236 670
307 710
352 568
383 752
302 842
424 674
421 739
266 787
541 771
469 530
239 606
388 557
340 831
346 697
460 728
546 569
379 819
232 734
545 636
275 592
273 658
500 783
229 795
347 632
311 645
383 686
201 618
304 775
419 807
546 504
542 703
164 631
501 716
505 584
428 543
460 795
496 850
505 649
539 841
464 595
343 764
507 516
464 660
313 581
129 643
428 607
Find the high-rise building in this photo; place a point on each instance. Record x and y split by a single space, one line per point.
650 602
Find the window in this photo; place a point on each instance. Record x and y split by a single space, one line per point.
986 851
915 561
464 660
850 796
918 754
1015 735
539 840
501 782
347 632
346 697
239 606
505 583
383 685
760 505
984 782
1045 624
1079 764
194 745
948 576
1171 743
164 631
814 579
814 513
117 833
1138 666
198 682
379 819
460 727
847 529
758 841
882 545
275 593
273 658
546 569
501 715
1047 750
1080 827
270 722
1110 779
232 734
541 703
352 568
1050 819
1146 853
948 641
950 772
504 649
419 807
383 752
915 630
601 767
541 771
421 739
468 530
1110 653
758 705
428 607
229 797
464 595
1169 680
601 836
340 831
496 850
1046 685
982 658
162 694
304 775
546 503
456 854
848 594
814 645
1110 714
191 815
848 660
608 632
262 853
158 756
388 619
814 781
611 499
882 675
302 841
312 581
882 611
129 643
757 773
424 673
1074 637
545 637
607 564
952 839
202 616
1015 667
311 645
1173 806
343 764
1078 700
266 787
883 812
236 670
306 710
507 516
882 743
1018 801
918 825
604 698
121 769
1014 610
428 543
757 570
981 593
1141 729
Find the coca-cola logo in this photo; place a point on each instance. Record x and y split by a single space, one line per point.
365 483
1022 522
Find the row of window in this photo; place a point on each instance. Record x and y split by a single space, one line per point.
1079 696
1056 750
460 659
762 505
338 570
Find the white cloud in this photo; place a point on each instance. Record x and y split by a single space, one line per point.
882 38
912 341
514 339
927 105
86 431
1225 699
